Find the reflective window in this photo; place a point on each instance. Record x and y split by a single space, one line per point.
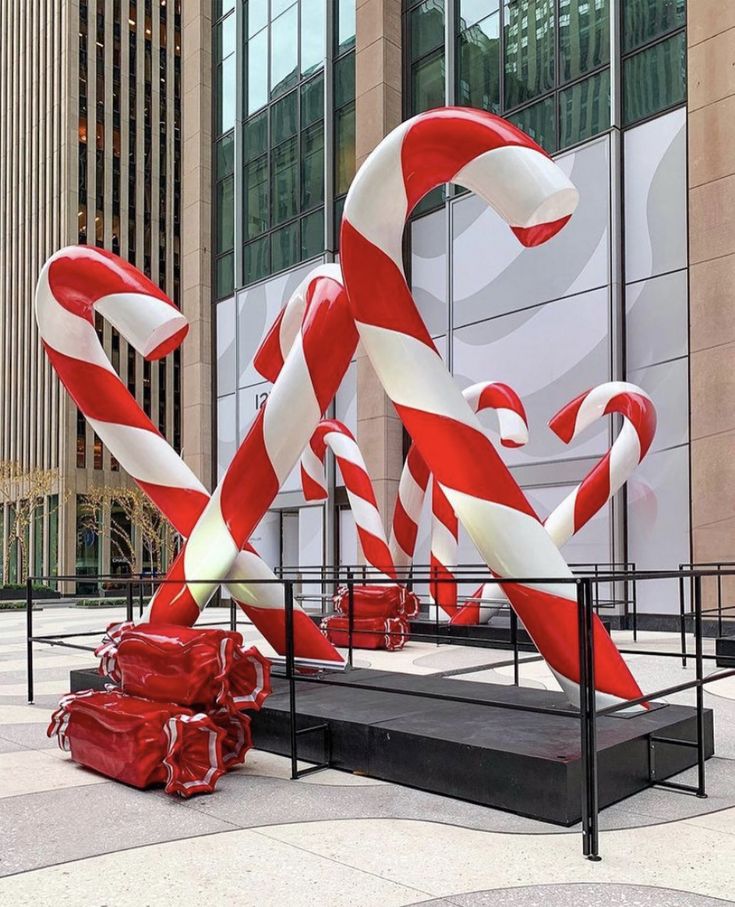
225 215
654 79
256 197
644 20
345 34
584 109
312 101
225 276
256 136
284 181
426 23
313 34
257 69
584 36
312 234
283 118
427 88
478 83
529 36
312 166
284 51
344 151
257 259
285 247
256 16
538 121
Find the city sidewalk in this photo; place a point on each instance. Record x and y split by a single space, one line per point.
70 836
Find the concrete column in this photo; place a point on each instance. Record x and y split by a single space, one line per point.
711 77
196 289
377 112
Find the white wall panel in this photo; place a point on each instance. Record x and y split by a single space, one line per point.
429 270
667 385
226 433
656 320
226 348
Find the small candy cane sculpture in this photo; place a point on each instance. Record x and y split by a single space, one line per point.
502 165
75 283
616 467
445 528
333 434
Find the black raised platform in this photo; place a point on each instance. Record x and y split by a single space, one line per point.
523 762
725 651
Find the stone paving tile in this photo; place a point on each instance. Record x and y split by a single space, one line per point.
577 895
56 826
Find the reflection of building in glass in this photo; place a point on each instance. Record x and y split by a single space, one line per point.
106 121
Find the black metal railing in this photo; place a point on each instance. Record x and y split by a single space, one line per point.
588 713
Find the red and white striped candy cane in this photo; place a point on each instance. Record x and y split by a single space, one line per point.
616 467
75 283
444 526
339 439
306 381
501 164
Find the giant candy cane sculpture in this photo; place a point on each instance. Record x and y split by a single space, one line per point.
335 435
498 162
78 281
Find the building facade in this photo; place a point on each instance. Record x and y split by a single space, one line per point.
632 99
90 152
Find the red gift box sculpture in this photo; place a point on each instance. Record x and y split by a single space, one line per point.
176 718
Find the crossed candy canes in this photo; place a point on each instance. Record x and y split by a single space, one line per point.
79 281
496 161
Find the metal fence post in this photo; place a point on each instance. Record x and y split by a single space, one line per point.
29 635
350 614
701 780
682 621
129 603
719 599
587 715
290 674
514 642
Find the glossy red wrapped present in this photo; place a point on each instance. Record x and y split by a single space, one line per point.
140 742
367 632
377 601
238 738
205 668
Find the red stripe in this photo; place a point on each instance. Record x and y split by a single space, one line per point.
308 640
642 414
312 490
461 457
444 594
442 509
565 421
169 345
366 267
329 338
357 481
535 236
173 603
99 394
593 493
268 360
249 485
376 552
182 506
501 396
417 467
83 274
404 529
442 142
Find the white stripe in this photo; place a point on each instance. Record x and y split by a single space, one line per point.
625 455
512 543
398 359
210 550
411 494
376 205
344 447
560 522
593 405
291 413
146 455
525 187
313 466
443 544
294 309
512 426
244 586
366 516
145 321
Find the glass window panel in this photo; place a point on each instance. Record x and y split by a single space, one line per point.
479 65
538 122
226 95
257 71
344 80
256 259
278 6
285 247
284 51
584 36
283 118
225 215
312 166
256 13
345 25
427 78
644 20
225 276
584 109
256 197
225 157
284 176
313 35
312 234
222 7
426 28
256 135
529 49
471 11
224 38
654 79
344 152
339 207
312 100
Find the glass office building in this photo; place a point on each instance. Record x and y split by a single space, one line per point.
602 86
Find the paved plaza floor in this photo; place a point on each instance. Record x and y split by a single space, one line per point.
71 837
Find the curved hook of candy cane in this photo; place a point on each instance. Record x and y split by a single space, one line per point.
528 190
339 439
76 282
513 425
618 464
